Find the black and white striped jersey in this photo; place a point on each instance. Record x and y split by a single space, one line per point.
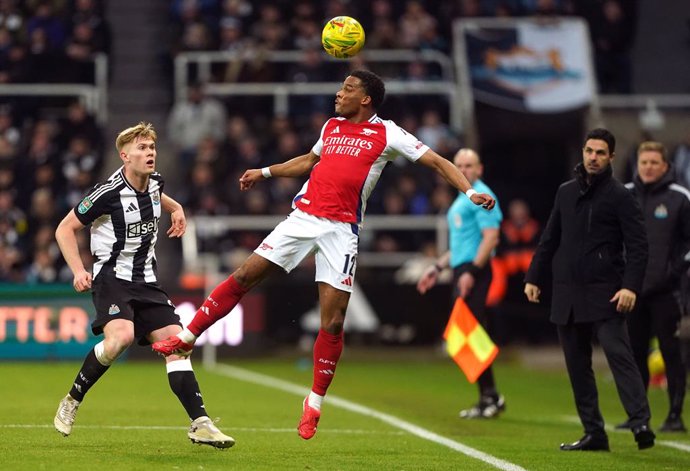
124 227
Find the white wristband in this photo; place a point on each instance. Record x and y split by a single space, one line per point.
471 192
266 172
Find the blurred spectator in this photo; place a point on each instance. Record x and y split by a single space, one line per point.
307 35
311 68
417 200
240 10
80 50
43 210
80 158
7 181
9 135
192 120
41 150
612 28
42 60
11 18
414 21
79 122
14 67
681 161
90 12
231 37
383 35
436 134
46 20
47 263
442 197
270 30
304 11
202 196
196 37
13 238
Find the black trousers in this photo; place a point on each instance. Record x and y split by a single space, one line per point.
476 301
576 340
658 315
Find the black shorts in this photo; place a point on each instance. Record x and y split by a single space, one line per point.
145 304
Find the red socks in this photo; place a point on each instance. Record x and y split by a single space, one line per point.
327 350
219 303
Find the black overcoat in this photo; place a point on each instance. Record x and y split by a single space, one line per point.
596 244
666 212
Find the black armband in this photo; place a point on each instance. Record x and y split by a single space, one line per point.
470 268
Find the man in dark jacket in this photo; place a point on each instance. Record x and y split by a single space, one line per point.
596 246
666 210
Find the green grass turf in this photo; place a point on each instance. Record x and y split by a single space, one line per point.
416 386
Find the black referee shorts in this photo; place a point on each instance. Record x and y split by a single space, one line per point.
145 304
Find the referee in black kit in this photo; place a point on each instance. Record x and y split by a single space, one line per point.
130 304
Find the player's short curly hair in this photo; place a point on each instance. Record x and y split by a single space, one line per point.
373 86
128 135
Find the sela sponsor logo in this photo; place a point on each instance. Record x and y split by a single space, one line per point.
347 281
114 309
142 228
85 205
265 246
369 132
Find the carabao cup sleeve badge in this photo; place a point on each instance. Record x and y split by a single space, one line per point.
85 205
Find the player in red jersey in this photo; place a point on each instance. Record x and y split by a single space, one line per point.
343 167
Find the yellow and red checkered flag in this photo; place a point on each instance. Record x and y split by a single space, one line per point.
467 342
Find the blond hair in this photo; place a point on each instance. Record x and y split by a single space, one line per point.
653 146
142 129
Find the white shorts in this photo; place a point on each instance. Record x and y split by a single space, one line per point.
333 243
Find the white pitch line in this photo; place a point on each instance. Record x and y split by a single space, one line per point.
275 383
173 427
682 446
677 445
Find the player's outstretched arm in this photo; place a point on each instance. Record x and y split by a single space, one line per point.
454 176
178 221
66 237
295 167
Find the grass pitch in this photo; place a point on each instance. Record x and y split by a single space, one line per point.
131 421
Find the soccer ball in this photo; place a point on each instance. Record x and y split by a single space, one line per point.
342 37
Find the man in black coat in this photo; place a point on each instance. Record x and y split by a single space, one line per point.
596 247
666 210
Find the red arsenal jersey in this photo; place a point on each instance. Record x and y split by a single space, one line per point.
352 157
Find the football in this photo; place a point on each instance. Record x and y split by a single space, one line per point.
342 37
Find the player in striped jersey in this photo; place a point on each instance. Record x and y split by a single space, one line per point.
130 304
343 166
